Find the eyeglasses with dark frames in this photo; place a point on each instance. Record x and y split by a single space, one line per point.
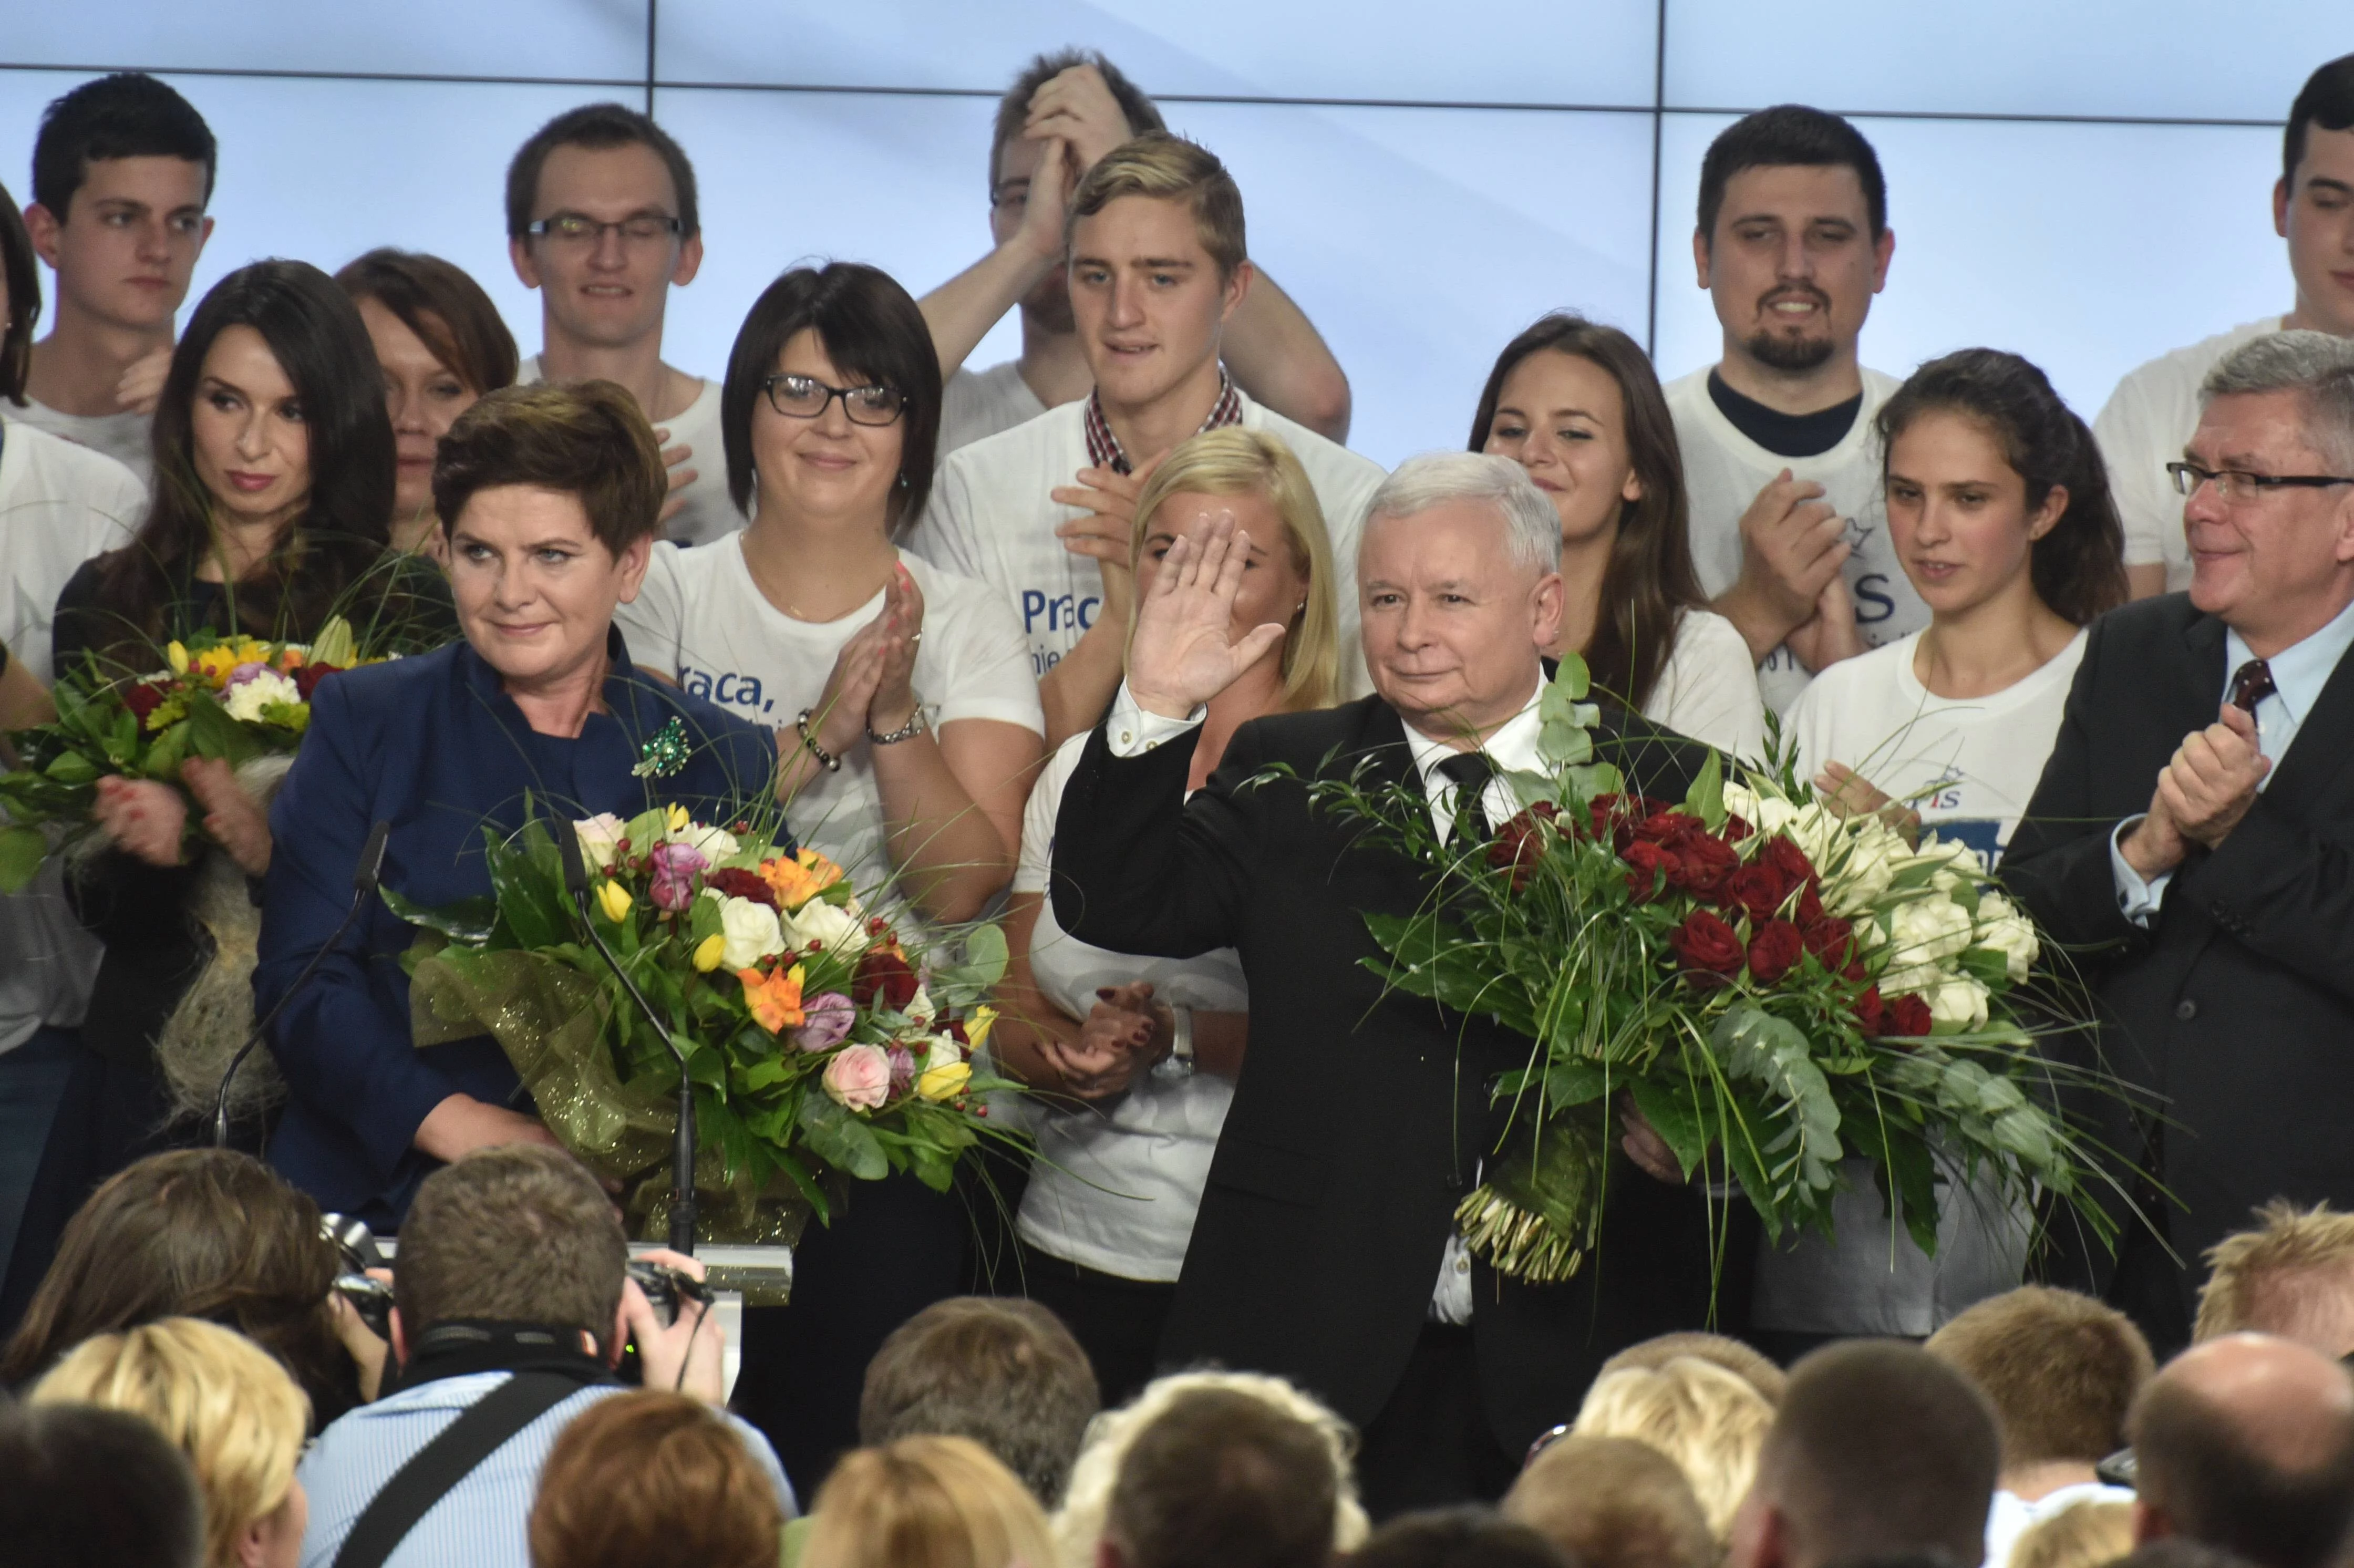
805 397
579 228
2238 485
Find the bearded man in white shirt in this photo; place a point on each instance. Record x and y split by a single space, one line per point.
2155 409
1789 530
1042 513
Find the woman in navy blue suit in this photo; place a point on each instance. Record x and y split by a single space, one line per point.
548 497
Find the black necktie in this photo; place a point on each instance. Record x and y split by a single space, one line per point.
2252 682
1469 772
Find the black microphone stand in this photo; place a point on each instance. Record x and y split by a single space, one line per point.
682 1154
363 881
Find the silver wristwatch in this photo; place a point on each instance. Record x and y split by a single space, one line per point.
1179 1064
909 731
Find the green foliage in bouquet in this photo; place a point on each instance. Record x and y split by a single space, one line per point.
1775 986
817 1040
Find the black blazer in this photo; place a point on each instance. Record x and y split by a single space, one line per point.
2237 1005
1360 1120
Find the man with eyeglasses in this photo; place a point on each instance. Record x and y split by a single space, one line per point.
601 220
2154 407
2191 846
122 169
1062 114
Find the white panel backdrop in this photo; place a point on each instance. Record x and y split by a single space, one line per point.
2087 184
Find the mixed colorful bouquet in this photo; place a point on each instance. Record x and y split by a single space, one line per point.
235 698
818 1040
1776 987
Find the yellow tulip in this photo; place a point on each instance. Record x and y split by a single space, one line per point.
976 1027
679 820
945 1083
177 652
614 899
708 954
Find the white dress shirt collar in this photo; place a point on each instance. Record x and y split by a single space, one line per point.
2300 672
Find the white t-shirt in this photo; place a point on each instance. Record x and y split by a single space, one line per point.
1115 1187
990 518
989 402
60 505
1724 472
1970 766
122 437
709 513
2142 428
2008 1517
701 619
1708 688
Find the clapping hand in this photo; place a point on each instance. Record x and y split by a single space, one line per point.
234 819
1076 106
1180 656
2212 781
1124 1033
674 462
1829 634
143 818
1791 547
1107 533
872 680
1851 794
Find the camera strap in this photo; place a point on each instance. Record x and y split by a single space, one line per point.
480 1430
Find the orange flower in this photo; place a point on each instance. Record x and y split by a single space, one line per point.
797 881
775 999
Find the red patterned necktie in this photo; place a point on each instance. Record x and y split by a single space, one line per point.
2250 685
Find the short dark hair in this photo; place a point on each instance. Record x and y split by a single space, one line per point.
1613 1502
447 310
2061 1370
2196 1463
1469 1537
20 273
127 115
1879 1448
2326 100
85 1486
1786 134
871 327
1224 1476
1013 108
514 1234
586 439
194 1233
1001 1370
596 126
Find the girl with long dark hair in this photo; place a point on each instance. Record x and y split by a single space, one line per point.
273 486
1579 406
1999 511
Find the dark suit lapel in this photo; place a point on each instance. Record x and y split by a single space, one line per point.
1383 743
2202 694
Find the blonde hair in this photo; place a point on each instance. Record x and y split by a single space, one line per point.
926 1502
1087 1501
215 1395
1236 461
2275 1279
1168 168
2082 1535
1710 1420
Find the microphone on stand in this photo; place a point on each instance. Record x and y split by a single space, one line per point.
682 1155
363 881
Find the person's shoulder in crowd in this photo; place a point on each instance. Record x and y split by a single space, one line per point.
977 404
1326 459
56 469
2179 371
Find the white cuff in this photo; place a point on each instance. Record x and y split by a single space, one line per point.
1133 731
2137 898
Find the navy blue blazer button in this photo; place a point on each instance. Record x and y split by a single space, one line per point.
2186 1010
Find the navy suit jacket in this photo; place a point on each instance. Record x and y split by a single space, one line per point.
435 747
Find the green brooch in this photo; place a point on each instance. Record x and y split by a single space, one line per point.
666 754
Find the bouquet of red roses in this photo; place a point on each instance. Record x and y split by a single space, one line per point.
1775 985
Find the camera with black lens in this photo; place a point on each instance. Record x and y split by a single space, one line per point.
357 1251
665 1288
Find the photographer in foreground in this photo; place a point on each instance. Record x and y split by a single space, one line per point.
510 1304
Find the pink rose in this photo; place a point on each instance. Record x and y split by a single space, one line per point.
830 1016
903 1069
859 1077
675 868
